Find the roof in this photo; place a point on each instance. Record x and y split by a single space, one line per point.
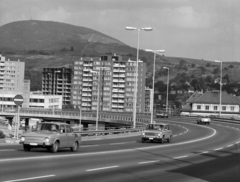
214 98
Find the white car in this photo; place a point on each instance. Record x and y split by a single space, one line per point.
203 120
157 132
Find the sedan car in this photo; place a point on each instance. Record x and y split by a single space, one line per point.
203 120
157 132
52 136
161 115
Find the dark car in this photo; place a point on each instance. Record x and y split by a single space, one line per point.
162 115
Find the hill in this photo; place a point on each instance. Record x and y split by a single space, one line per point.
52 44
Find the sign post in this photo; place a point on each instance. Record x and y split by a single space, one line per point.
18 100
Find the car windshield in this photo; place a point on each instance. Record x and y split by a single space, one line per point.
47 127
155 127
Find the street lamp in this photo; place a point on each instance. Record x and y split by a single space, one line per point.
136 76
99 75
154 61
167 89
220 100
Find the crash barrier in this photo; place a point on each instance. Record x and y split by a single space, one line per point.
227 119
109 132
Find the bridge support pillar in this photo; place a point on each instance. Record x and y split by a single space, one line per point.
27 122
85 125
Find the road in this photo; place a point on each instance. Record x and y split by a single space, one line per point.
197 153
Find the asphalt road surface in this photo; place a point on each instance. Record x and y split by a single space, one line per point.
196 153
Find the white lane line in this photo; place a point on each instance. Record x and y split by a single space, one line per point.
25 179
89 145
145 162
237 142
230 145
7 150
118 143
96 169
219 148
204 152
180 157
174 135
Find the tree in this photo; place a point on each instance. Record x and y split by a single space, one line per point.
208 65
193 65
216 70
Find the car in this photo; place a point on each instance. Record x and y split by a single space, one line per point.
157 132
52 136
203 120
161 115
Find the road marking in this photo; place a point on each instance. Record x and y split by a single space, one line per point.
180 157
89 145
6 150
174 135
25 179
237 142
218 148
204 152
230 145
145 162
96 169
118 143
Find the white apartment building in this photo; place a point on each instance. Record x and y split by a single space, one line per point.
11 75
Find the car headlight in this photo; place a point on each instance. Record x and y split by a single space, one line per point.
143 133
160 134
46 140
22 139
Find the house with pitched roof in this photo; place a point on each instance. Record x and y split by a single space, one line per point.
208 103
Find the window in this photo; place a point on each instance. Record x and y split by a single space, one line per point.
215 108
224 108
232 108
198 107
206 107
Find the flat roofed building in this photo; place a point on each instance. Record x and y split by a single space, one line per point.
116 84
57 81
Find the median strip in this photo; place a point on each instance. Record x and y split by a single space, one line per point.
26 179
96 169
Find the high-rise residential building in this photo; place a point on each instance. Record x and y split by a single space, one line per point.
112 80
57 81
11 75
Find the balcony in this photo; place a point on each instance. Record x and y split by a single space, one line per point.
122 80
86 74
122 75
115 86
86 100
87 69
115 80
116 65
121 85
122 65
114 100
86 84
115 90
86 94
88 105
115 105
84 64
87 80
116 70
120 101
121 91
123 71
116 75
87 90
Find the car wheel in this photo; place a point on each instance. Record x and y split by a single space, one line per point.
55 147
143 140
26 148
161 140
74 147
170 139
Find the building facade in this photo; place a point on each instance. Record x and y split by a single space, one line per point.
11 75
57 81
109 79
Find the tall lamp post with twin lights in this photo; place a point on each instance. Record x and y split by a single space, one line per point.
99 75
220 99
136 74
167 89
154 65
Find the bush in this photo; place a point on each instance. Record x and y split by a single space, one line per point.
2 134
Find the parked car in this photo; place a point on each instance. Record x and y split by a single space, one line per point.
162 115
157 132
52 136
203 120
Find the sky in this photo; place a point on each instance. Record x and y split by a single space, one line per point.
201 29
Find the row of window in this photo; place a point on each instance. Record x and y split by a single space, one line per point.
224 108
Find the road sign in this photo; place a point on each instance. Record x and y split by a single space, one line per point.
18 100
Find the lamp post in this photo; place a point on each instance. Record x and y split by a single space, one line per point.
154 65
167 89
220 99
136 76
99 75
